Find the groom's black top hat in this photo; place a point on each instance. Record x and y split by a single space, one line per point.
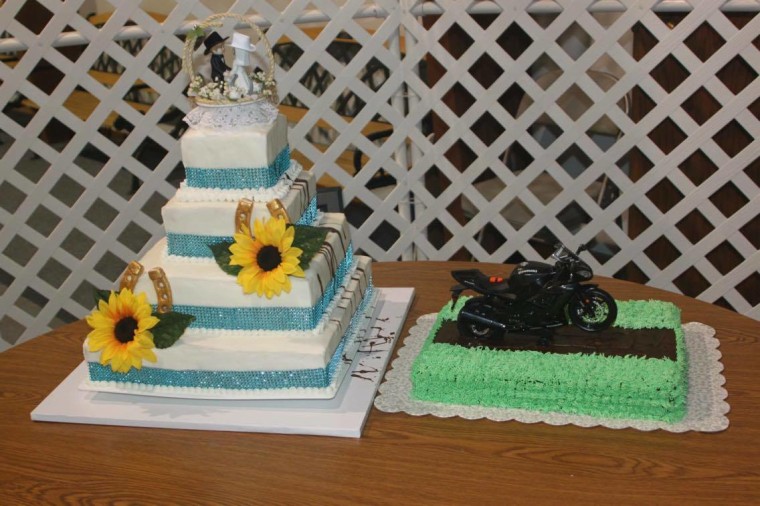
212 40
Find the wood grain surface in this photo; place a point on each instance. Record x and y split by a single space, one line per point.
400 459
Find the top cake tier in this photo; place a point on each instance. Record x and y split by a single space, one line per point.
230 148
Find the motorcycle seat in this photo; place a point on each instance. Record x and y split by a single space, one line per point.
476 280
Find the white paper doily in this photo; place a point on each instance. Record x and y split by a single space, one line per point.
232 116
706 400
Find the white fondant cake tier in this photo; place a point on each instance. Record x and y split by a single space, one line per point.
202 283
210 350
244 147
216 215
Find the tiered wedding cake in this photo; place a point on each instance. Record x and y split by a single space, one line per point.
253 293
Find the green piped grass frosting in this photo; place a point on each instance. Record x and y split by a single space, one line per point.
579 383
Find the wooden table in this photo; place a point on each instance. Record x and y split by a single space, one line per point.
400 459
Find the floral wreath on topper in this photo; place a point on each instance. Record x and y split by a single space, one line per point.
219 92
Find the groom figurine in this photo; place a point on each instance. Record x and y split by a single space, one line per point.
215 45
240 67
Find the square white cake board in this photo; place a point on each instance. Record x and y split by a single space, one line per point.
344 415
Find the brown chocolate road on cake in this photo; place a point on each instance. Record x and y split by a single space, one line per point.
615 341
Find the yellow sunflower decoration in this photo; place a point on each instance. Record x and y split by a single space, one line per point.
268 259
121 331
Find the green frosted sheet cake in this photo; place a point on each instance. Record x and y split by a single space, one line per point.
636 370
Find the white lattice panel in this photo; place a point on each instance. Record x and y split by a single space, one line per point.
501 122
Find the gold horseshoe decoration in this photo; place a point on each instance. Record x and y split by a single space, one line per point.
277 210
243 215
130 276
163 290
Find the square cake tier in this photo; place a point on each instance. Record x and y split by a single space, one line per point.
195 220
248 157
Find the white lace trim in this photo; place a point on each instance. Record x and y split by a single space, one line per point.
706 405
232 116
278 191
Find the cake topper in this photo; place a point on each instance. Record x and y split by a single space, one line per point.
215 45
242 85
536 297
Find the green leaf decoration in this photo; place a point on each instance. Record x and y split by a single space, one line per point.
222 256
101 295
196 32
170 328
309 239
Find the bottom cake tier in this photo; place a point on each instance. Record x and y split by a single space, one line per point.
635 370
209 364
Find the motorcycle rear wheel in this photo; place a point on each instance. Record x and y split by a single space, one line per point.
592 310
469 327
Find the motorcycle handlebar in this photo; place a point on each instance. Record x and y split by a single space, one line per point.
560 248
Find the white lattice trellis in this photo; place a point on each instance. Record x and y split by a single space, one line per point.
486 111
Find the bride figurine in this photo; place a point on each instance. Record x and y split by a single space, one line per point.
238 76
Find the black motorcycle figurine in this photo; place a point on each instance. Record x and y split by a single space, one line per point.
536 297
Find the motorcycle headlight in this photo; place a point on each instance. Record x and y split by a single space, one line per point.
584 274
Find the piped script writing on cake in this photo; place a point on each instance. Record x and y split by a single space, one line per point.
253 293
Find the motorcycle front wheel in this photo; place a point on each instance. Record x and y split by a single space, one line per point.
592 310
